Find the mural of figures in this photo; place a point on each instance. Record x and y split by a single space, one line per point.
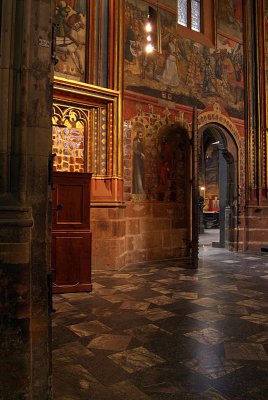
170 74
230 17
165 168
195 63
70 39
138 164
158 171
186 72
231 68
209 81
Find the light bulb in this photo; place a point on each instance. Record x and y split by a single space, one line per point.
149 48
149 39
148 27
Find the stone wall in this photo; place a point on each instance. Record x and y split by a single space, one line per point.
155 231
108 226
256 233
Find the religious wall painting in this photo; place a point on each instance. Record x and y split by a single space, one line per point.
171 165
230 74
230 15
184 72
158 163
70 32
138 164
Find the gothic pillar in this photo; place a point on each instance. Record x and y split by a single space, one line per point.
25 142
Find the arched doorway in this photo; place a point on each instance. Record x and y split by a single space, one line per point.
217 183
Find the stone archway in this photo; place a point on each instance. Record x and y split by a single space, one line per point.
220 142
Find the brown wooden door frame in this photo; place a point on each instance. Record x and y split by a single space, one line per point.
71 235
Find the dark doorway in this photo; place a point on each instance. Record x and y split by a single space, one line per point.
217 188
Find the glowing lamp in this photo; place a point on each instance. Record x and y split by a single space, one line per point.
148 27
149 48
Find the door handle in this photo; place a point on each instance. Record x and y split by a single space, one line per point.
58 208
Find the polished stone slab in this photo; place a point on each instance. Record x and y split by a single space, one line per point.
161 331
136 359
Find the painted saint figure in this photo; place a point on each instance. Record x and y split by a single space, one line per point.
170 74
138 165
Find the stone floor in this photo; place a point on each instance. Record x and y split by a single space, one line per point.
164 332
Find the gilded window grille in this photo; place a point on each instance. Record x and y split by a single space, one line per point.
70 139
82 139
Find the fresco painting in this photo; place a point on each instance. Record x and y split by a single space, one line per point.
230 15
138 164
158 160
70 39
184 72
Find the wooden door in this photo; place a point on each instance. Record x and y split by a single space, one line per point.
71 235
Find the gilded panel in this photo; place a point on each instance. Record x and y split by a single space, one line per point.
69 140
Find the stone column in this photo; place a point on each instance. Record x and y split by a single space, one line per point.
25 143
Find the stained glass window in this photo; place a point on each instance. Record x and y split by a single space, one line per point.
182 12
195 15
190 14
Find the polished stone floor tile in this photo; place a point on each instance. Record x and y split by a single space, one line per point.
257 318
126 390
212 394
209 336
135 305
255 304
160 300
71 352
211 365
250 293
161 331
63 307
206 316
261 337
185 295
125 288
206 302
232 309
115 298
136 359
162 290
245 351
89 328
146 332
110 342
155 314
